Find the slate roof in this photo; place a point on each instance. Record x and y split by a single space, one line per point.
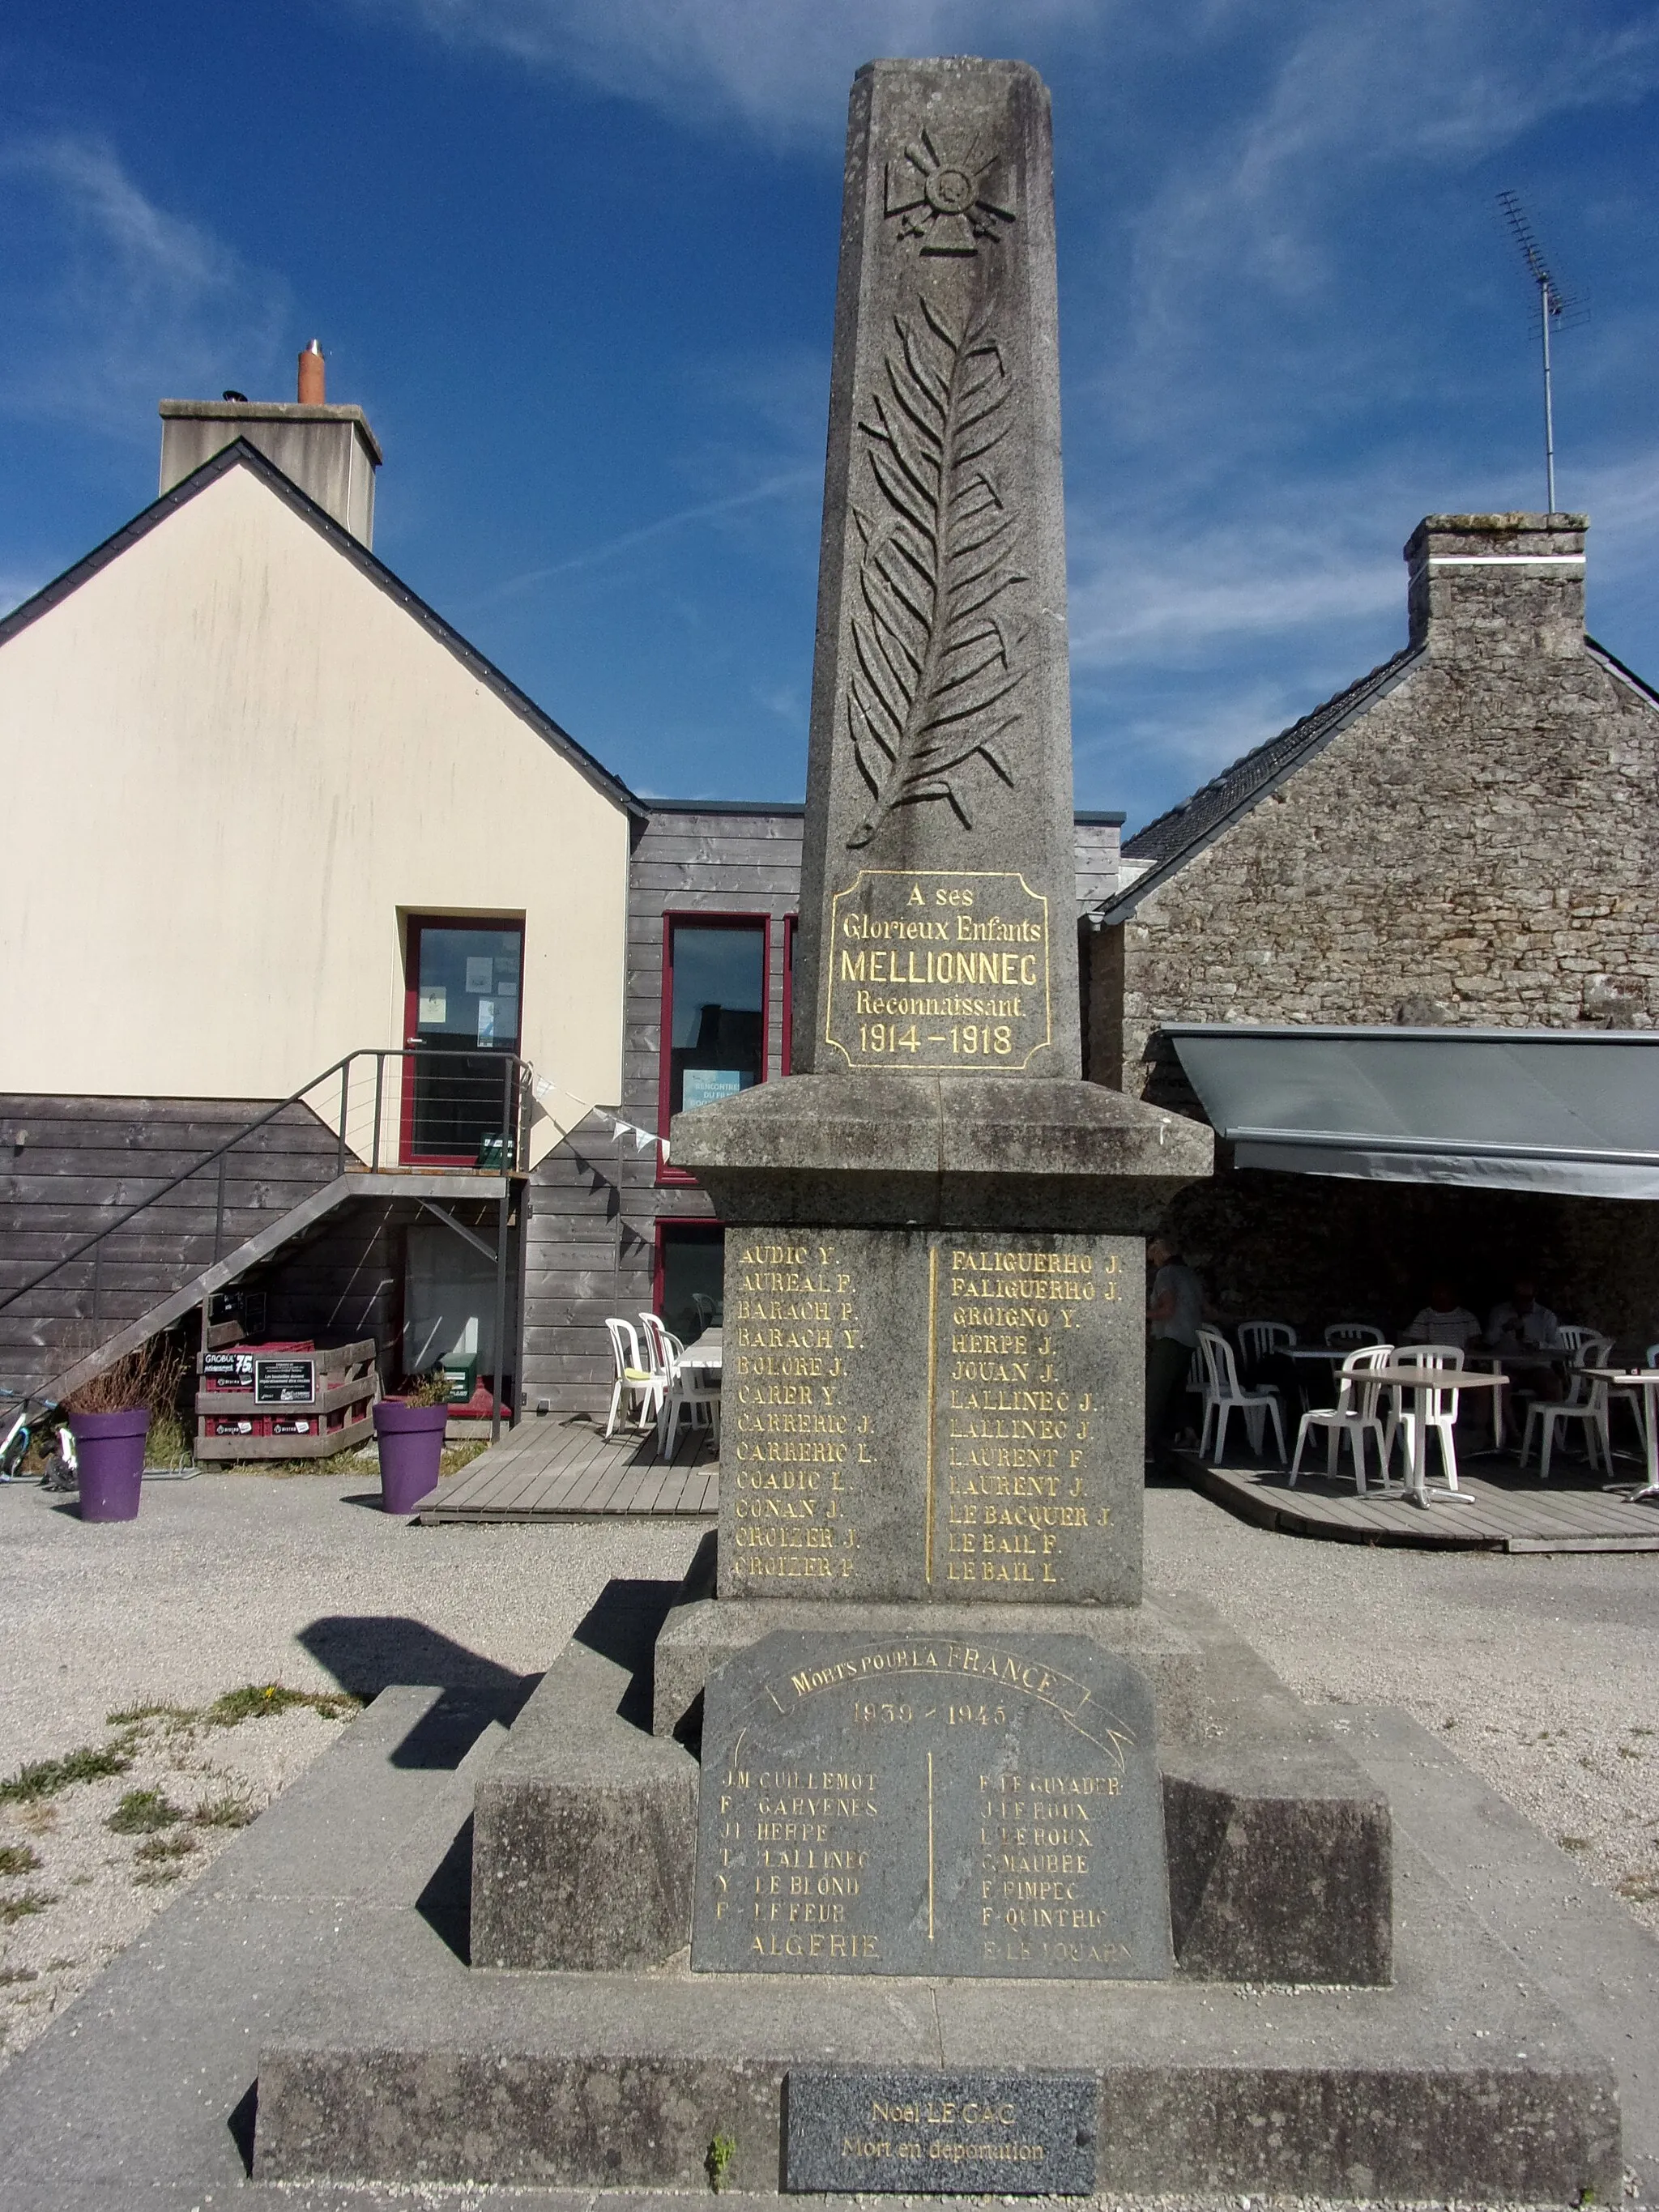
242 455
1176 837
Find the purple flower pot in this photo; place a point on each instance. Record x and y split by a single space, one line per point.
411 1441
110 1448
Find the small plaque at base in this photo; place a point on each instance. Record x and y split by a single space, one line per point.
910 2132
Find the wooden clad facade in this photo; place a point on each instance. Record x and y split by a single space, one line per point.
71 1166
591 1237
597 1201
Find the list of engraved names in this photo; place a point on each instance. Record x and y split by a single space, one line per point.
1018 1407
929 1803
796 1448
911 1413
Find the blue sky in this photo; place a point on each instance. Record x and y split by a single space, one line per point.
576 258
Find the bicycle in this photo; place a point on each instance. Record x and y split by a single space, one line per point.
61 1470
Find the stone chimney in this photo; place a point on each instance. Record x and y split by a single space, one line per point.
330 453
1486 584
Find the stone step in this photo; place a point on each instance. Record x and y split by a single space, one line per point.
406 2066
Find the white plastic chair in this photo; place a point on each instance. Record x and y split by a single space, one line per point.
1349 1335
658 1354
1441 1416
1586 1402
1224 1396
687 1388
1259 1339
1353 1416
1637 1400
633 1380
1585 1347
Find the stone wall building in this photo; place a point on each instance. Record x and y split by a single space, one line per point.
1468 837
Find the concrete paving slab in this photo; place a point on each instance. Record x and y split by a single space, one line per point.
1579 1946
138 2094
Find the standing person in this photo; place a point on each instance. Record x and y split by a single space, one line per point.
1175 1305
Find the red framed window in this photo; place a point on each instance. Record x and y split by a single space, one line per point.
715 972
463 1017
689 1290
786 1054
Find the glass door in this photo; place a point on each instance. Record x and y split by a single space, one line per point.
463 1000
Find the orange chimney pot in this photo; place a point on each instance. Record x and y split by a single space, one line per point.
311 376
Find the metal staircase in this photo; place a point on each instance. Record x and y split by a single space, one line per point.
444 1105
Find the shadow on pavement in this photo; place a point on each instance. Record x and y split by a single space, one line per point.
368 1653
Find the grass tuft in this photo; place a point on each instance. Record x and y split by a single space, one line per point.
44 1778
141 1812
20 1906
255 1702
229 1811
19 1858
135 1716
1574 1843
159 1849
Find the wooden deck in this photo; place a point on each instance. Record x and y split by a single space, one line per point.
1509 1510
560 1467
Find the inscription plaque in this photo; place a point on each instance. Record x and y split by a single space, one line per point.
931 970
929 1805
916 1413
893 2130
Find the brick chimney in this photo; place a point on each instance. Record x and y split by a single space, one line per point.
1482 584
330 453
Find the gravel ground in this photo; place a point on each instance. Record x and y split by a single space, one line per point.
220 1583
1541 1671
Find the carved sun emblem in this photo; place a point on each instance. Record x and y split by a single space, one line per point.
949 197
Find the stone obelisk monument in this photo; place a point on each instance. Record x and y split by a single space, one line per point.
933 1306
941 1740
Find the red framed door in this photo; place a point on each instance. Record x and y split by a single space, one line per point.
689 1290
463 1017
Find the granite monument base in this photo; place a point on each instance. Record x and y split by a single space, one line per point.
1448 2075
1278 1844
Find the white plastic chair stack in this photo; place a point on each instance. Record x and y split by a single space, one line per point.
1225 1397
687 1388
633 1381
1585 1403
1441 1415
1354 1416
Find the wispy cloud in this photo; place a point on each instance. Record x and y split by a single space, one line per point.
780 66
628 540
1180 601
121 300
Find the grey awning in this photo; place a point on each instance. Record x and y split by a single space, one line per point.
1570 1110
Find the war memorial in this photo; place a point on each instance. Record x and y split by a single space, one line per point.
915 1848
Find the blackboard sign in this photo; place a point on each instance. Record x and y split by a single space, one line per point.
284 1381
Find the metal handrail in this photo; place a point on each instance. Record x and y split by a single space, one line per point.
515 1088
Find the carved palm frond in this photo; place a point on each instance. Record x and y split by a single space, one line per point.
933 673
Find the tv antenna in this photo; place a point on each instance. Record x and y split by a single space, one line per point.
1554 305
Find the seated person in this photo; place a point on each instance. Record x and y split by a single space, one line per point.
1442 1320
1527 1336
1521 1325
